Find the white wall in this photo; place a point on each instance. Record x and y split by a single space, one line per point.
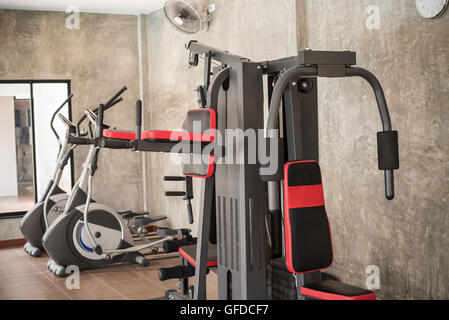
47 97
8 161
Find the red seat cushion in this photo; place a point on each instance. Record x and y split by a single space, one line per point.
118 134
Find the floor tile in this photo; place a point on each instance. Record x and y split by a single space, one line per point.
135 286
23 277
146 294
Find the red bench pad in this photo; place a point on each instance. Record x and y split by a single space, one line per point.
119 134
333 290
177 136
308 242
189 253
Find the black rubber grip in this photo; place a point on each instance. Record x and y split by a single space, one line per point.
79 140
169 178
100 117
178 272
115 96
190 211
175 194
171 246
113 103
388 150
115 144
138 112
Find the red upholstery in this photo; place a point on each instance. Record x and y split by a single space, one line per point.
117 134
189 253
177 136
333 290
308 241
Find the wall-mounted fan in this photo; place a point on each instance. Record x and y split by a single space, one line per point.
189 16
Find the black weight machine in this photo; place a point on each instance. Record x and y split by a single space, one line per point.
249 206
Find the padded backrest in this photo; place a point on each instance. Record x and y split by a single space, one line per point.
203 122
308 242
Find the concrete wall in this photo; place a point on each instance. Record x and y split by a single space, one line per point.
255 29
407 238
99 59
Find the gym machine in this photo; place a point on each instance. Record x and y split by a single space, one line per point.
91 235
253 206
52 202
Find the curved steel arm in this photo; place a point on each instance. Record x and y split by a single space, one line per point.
384 115
378 92
278 92
297 72
53 119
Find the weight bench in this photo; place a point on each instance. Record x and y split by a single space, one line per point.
199 127
308 241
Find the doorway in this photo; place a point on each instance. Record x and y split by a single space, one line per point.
29 146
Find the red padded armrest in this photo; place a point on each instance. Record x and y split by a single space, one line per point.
176 136
117 134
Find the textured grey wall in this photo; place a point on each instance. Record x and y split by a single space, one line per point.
99 59
407 238
255 29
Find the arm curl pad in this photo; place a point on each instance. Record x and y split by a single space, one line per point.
388 150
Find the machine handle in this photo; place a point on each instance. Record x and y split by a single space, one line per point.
111 102
138 119
116 144
174 245
171 178
54 116
190 211
175 194
177 272
302 71
388 157
114 97
79 141
100 114
387 140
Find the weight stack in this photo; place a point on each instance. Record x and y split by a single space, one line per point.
282 284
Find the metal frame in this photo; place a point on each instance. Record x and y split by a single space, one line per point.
20 214
236 93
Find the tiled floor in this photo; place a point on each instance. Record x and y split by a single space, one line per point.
26 278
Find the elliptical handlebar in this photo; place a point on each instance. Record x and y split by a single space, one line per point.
69 98
115 99
388 152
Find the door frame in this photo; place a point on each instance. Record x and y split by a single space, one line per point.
20 214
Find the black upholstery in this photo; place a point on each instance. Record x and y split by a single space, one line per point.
332 290
307 233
